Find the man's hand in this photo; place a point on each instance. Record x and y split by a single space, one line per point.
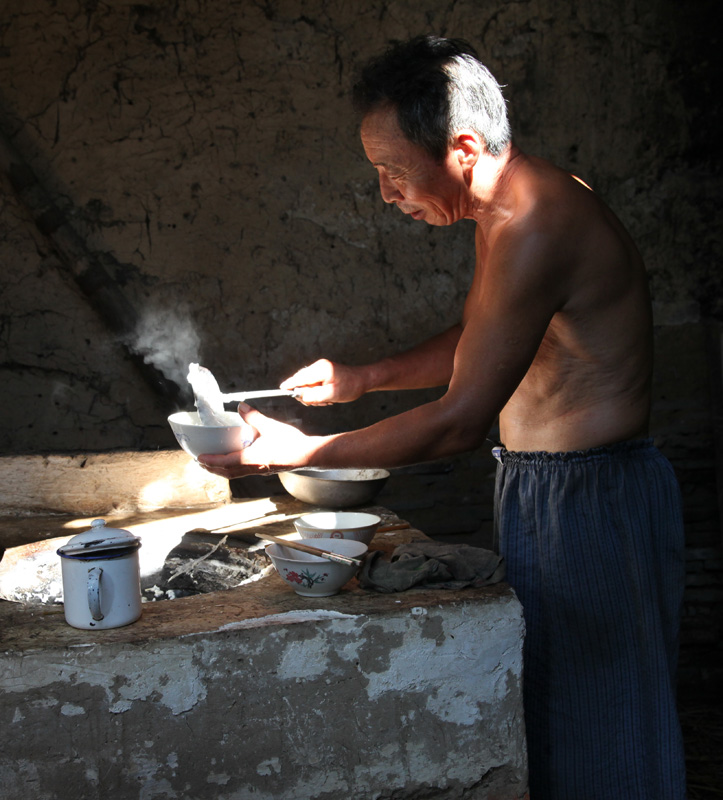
276 447
324 382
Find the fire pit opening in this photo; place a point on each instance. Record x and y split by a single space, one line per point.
203 563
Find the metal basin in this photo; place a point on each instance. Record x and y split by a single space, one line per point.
334 488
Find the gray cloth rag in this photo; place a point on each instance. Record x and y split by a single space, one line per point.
431 564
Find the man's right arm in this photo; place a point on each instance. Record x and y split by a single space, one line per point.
427 365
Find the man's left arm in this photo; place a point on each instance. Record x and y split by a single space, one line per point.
506 320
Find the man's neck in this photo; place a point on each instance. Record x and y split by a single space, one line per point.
492 199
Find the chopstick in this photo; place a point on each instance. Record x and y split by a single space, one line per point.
400 526
314 551
242 525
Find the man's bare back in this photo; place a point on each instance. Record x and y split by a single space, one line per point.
589 381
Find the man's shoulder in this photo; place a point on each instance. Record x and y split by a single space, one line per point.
553 218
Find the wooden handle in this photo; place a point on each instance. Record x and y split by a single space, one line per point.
314 551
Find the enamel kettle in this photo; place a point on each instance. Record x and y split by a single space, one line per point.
101 578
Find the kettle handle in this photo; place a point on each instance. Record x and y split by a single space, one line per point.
94 592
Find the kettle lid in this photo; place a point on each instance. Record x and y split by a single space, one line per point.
100 538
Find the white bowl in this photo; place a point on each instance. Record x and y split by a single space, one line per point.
197 439
313 576
356 525
334 488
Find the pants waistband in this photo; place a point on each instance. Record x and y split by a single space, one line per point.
632 447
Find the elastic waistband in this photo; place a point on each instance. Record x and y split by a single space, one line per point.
632 447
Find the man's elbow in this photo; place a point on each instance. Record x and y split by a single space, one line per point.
464 430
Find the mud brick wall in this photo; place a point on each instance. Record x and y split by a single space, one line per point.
687 426
205 157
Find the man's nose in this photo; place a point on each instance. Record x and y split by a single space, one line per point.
389 192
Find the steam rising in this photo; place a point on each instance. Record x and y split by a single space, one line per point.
168 340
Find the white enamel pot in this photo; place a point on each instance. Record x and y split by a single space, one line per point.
101 578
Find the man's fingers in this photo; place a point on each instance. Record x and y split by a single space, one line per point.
319 372
316 395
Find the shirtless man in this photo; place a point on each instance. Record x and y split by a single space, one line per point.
555 341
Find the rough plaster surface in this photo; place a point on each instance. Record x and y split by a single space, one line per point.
206 151
318 703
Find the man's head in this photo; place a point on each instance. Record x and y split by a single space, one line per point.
437 86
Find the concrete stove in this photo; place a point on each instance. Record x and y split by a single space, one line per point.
255 692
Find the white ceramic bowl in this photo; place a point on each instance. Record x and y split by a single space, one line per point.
356 525
197 439
312 576
334 488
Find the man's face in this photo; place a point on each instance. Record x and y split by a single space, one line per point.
409 176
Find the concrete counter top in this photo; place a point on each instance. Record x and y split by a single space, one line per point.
29 626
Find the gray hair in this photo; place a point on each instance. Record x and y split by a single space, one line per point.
438 87
476 101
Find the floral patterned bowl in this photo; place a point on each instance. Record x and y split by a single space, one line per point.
312 576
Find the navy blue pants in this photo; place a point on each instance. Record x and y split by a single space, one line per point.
594 547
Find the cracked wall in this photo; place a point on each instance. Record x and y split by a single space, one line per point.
207 153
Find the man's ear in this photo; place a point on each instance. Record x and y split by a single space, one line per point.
467 146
